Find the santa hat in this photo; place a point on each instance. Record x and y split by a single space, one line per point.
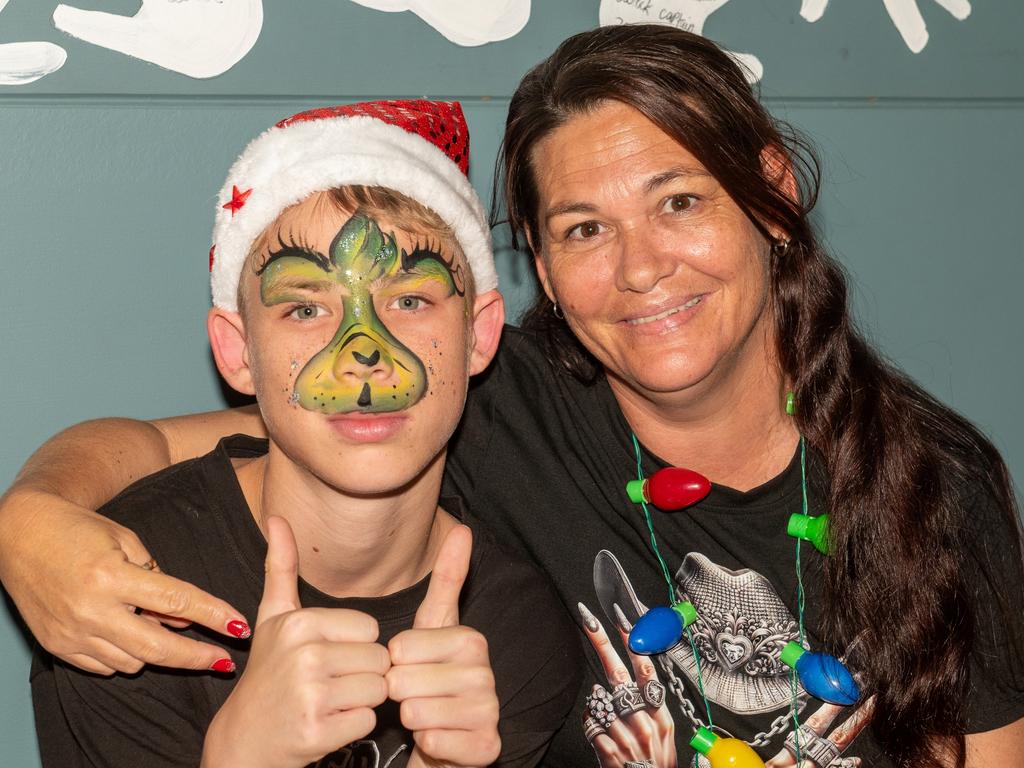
418 148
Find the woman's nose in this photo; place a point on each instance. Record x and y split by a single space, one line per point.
643 260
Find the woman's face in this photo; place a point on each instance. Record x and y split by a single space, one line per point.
657 271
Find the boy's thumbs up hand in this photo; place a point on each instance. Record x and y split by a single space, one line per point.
312 679
441 671
281 585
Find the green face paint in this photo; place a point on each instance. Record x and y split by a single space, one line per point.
364 368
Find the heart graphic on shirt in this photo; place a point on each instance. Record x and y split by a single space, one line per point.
733 650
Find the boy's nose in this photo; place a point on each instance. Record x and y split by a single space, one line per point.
363 359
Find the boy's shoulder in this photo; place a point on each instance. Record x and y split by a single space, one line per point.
194 520
181 485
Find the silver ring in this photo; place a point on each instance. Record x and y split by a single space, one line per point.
813 747
592 728
600 706
639 764
654 694
626 699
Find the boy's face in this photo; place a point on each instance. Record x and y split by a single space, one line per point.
359 339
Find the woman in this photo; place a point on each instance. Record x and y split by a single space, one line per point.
684 295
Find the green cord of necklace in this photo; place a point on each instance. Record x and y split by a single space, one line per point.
668 581
799 591
799 602
650 527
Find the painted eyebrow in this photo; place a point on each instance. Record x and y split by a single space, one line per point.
301 284
296 252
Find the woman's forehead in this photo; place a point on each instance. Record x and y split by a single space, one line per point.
611 144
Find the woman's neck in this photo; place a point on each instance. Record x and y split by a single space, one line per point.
732 428
351 546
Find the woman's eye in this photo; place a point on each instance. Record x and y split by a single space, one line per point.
307 312
679 203
584 231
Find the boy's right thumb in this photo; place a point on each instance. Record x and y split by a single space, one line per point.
281 585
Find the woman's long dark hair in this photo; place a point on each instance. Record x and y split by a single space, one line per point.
900 465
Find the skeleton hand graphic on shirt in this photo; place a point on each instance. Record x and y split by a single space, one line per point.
905 14
647 734
814 742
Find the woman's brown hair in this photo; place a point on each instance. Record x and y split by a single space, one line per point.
903 470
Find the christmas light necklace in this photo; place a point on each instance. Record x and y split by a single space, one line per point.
663 627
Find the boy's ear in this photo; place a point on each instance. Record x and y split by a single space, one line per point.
230 349
488 320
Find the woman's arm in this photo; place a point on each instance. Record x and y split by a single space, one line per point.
1002 746
75 576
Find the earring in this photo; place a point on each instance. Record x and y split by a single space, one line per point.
780 247
557 311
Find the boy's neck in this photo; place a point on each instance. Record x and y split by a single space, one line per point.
351 546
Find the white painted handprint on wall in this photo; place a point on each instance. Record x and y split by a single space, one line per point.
464 22
684 14
905 14
198 38
22 63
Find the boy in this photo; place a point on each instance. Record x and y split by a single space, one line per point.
356 315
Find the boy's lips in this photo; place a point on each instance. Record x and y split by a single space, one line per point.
367 427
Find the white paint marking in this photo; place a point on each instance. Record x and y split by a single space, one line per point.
198 38
464 22
812 10
22 63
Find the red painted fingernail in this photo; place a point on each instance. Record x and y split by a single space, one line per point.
239 629
223 665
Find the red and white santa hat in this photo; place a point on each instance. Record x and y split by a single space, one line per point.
418 148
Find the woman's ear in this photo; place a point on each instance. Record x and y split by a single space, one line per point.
488 320
778 169
538 264
230 349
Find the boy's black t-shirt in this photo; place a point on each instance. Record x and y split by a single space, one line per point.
545 459
195 522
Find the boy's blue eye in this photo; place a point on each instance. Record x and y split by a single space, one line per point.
306 312
409 303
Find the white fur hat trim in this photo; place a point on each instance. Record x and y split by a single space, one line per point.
285 165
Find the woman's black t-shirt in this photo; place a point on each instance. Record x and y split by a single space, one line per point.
545 459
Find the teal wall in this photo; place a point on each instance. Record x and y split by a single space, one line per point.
109 170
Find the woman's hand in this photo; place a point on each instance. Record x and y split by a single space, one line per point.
441 672
77 579
312 679
629 722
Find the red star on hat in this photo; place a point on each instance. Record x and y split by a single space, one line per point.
237 200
